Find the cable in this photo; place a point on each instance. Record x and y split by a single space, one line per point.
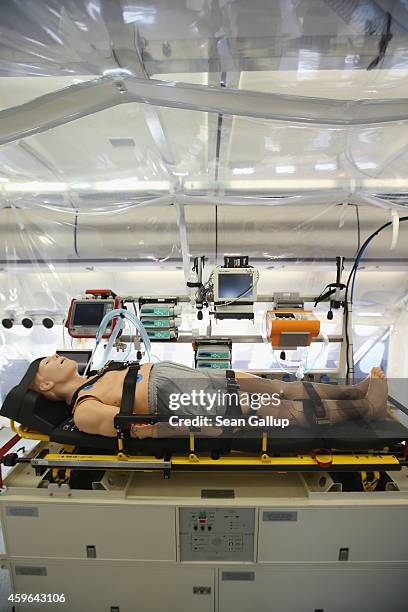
216 233
201 295
76 235
331 290
254 284
385 40
125 357
300 371
202 291
277 360
120 314
353 272
117 329
358 230
352 278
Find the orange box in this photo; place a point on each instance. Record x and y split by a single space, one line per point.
297 328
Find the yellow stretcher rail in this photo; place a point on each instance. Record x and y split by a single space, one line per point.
359 462
26 433
295 461
323 459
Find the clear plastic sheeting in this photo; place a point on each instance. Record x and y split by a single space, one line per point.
123 102
28 236
52 37
132 154
135 136
151 234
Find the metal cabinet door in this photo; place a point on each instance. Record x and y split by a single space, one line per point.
70 530
311 588
332 534
119 587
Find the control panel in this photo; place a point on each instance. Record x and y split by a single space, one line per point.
216 534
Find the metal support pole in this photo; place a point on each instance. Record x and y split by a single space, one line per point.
181 222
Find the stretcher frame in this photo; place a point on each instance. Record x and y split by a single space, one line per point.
320 460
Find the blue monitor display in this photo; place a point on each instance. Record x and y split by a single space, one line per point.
231 286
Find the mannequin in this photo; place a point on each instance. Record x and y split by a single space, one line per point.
95 407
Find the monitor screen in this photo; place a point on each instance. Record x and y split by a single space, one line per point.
232 286
88 314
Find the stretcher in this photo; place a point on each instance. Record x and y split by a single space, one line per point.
349 446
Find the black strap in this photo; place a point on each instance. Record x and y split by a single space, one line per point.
314 406
88 383
129 389
233 408
109 367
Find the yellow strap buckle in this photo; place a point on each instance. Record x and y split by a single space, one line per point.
61 476
370 481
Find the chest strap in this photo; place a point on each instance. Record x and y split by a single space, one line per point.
233 408
314 406
109 367
129 390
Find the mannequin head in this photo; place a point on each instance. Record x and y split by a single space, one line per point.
55 376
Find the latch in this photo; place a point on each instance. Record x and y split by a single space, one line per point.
91 552
202 590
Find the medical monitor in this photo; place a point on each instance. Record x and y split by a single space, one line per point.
235 285
85 317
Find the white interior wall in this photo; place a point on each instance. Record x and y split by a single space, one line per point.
398 357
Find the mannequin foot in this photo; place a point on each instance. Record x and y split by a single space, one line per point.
377 373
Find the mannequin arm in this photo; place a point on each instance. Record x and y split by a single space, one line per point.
94 417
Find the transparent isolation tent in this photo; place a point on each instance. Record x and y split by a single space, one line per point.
135 136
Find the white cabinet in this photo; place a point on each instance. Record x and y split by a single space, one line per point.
123 587
70 530
318 534
312 588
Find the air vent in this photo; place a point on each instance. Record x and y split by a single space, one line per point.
122 142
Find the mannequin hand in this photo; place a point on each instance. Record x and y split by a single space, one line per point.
142 431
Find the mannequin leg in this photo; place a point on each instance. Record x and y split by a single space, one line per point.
367 399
